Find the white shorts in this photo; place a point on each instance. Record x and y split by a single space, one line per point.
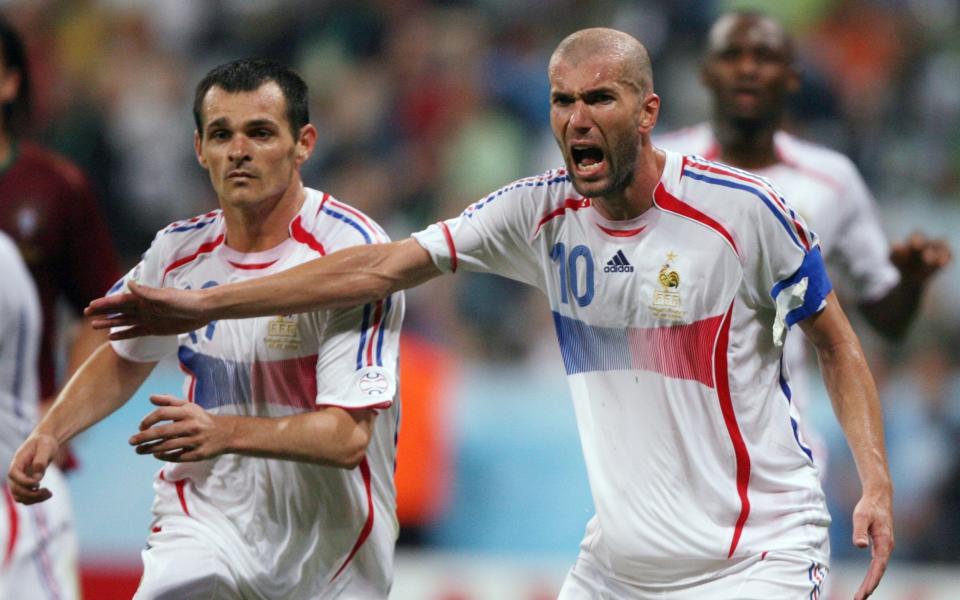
38 545
181 563
780 575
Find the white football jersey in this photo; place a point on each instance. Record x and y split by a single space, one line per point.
670 327
290 529
20 326
826 189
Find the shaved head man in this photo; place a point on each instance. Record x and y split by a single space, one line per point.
671 282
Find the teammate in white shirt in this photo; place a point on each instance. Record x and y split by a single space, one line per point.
38 545
280 474
672 281
750 71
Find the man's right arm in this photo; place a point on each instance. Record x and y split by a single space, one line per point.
349 277
99 387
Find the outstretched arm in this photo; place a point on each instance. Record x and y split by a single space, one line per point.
348 277
918 259
178 431
857 406
103 384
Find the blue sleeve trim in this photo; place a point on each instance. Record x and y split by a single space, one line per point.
818 286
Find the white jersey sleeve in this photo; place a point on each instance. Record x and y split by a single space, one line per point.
149 271
357 361
862 252
494 234
782 260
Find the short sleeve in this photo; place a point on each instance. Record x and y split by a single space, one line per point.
783 263
148 271
493 235
862 252
358 357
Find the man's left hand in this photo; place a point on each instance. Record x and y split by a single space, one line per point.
873 527
179 431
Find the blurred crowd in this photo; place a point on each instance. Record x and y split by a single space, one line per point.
424 106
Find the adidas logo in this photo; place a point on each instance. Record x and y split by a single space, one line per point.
618 264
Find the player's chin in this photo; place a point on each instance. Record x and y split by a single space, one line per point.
591 187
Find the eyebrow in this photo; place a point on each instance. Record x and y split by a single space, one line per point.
223 122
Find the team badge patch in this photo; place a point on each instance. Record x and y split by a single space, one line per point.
283 333
667 303
373 384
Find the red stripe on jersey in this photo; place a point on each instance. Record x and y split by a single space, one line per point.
305 237
722 379
288 382
377 316
323 201
377 234
180 493
666 201
250 266
450 246
679 351
204 248
377 406
568 204
368 525
621 232
14 526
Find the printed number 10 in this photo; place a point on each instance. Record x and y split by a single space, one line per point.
569 273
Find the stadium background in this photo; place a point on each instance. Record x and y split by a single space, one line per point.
423 106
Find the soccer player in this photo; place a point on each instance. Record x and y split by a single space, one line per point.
750 71
48 207
38 547
673 281
280 474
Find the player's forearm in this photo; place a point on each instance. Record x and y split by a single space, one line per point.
85 342
349 277
857 406
99 387
322 437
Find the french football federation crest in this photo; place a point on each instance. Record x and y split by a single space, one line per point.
666 299
283 333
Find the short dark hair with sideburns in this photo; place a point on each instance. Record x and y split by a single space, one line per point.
247 75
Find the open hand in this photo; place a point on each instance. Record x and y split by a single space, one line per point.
148 311
179 431
873 527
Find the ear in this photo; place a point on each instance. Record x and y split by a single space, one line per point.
9 86
650 110
197 146
306 142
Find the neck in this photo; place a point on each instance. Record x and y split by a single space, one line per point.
637 197
747 147
265 224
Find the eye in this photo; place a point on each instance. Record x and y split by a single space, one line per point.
219 135
262 133
560 100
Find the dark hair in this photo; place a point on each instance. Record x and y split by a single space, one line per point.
247 75
16 113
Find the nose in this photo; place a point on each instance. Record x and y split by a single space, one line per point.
580 118
747 64
239 149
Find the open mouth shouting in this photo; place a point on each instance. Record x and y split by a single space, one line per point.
588 160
